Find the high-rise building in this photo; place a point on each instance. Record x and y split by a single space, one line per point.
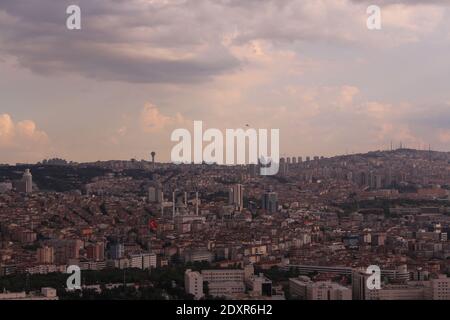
148 261
116 251
270 202
193 283
66 250
28 181
155 192
96 251
25 184
236 196
45 255
284 167
143 261
152 194
359 285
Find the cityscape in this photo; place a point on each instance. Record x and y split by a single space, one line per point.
224 157
150 230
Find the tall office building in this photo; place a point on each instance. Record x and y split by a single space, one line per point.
96 251
236 196
270 202
116 251
25 184
143 261
66 250
149 261
45 255
155 193
152 193
28 181
360 291
284 167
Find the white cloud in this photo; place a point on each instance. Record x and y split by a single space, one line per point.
21 141
6 129
153 121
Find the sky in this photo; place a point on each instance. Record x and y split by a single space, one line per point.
138 69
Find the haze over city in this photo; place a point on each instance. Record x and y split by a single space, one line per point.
137 70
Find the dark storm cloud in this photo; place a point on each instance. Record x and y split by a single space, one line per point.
120 40
163 41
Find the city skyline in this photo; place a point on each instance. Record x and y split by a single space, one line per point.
118 87
283 157
363 227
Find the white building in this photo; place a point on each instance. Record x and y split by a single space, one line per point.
225 275
433 289
193 283
27 178
305 289
149 261
226 282
143 261
226 289
136 261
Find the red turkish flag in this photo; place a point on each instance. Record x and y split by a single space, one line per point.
152 224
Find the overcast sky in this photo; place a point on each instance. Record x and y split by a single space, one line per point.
138 69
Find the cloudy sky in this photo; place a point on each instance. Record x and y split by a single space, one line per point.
138 69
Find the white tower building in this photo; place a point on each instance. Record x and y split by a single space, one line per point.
27 179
